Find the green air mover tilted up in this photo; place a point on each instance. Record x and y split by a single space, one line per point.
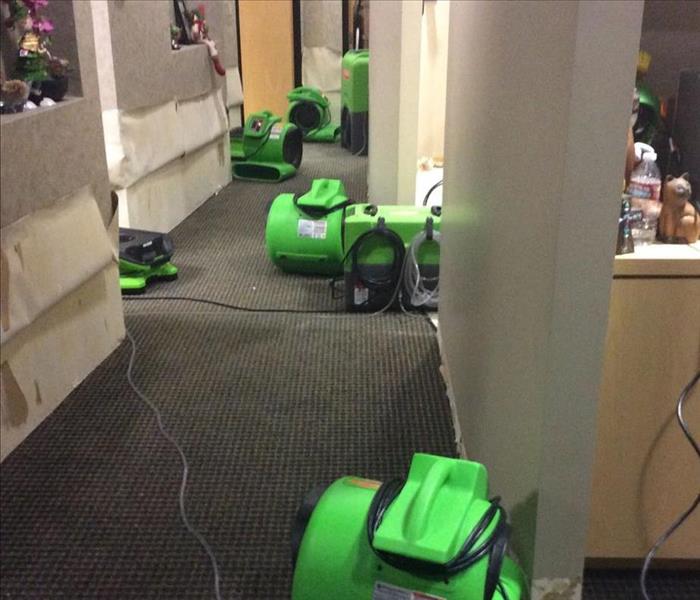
265 149
310 111
434 536
305 234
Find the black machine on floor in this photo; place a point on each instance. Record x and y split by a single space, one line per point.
144 256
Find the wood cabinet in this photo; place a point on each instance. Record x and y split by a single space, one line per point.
645 472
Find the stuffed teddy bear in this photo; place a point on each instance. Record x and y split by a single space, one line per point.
679 222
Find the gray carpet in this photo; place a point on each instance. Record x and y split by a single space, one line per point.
265 405
604 584
220 249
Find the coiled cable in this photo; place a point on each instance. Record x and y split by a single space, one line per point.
421 291
493 548
391 278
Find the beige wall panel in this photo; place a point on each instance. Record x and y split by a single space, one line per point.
395 29
48 155
141 50
147 71
38 166
142 141
645 472
221 20
49 358
433 79
267 54
36 250
162 199
527 252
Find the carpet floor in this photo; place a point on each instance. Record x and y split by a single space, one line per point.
265 406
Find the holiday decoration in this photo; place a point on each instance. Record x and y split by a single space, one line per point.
35 64
175 36
200 35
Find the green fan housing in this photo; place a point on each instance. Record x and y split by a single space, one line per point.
420 531
304 234
310 111
354 97
265 149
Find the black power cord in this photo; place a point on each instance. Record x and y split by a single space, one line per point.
493 548
682 518
430 191
393 276
235 306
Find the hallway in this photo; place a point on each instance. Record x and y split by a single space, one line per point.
265 405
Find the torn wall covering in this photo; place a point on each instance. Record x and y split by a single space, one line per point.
164 112
60 304
60 308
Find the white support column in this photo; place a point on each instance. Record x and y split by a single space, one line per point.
394 69
538 102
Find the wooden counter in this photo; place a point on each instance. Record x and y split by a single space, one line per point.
645 472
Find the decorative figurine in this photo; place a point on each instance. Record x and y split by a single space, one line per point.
56 86
175 35
200 35
679 221
32 47
13 95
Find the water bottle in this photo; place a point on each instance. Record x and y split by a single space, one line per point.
645 194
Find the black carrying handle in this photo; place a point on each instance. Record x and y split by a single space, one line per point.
318 213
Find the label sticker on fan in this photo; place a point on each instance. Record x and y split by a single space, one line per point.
316 230
276 131
361 295
384 591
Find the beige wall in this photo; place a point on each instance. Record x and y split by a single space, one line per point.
32 175
267 54
164 111
147 72
433 78
538 100
394 68
61 306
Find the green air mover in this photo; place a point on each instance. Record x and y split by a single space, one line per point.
376 239
435 536
354 92
310 111
144 256
265 149
304 234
